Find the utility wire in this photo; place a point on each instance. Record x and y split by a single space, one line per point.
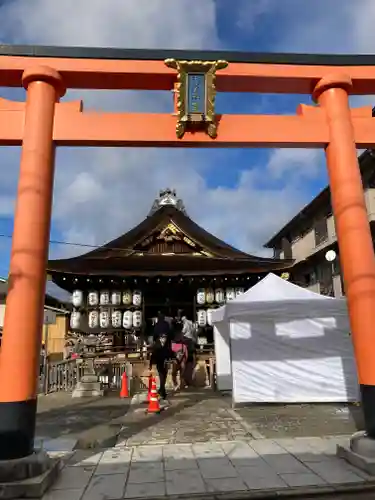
96 247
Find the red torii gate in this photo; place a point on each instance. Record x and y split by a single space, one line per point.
43 122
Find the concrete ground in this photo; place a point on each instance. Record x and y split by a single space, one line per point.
194 416
294 466
200 446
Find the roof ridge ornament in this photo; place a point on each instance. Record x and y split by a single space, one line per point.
196 93
167 197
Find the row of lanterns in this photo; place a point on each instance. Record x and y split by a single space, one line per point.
220 296
107 319
106 298
204 317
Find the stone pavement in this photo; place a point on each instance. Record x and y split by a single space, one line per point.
207 470
194 416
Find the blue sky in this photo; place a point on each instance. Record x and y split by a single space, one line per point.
243 196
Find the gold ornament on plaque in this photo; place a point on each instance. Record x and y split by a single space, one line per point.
196 93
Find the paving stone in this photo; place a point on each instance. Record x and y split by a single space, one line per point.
215 468
178 450
256 482
335 472
83 458
64 494
146 490
146 474
285 464
240 453
105 487
147 454
184 482
305 479
266 447
113 456
208 450
226 484
73 478
111 468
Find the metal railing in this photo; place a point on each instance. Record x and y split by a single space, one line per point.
63 376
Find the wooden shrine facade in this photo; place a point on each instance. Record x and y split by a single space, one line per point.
167 263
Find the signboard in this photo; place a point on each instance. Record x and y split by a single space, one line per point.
49 317
196 93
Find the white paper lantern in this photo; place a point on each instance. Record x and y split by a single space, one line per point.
137 319
209 317
104 298
201 296
239 291
115 298
202 341
202 317
93 298
210 296
93 319
77 298
127 297
104 318
75 320
137 298
116 318
127 319
219 296
230 293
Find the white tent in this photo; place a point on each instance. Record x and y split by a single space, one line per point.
279 342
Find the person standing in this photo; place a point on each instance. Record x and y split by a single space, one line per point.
189 335
179 362
161 326
160 355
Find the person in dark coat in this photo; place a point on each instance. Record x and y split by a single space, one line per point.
160 355
161 326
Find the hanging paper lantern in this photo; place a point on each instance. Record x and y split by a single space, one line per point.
137 298
239 291
201 296
93 298
202 317
209 317
77 298
104 318
210 296
127 297
116 298
230 294
104 298
127 319
116 318
75 320
93 319
219 296
137 319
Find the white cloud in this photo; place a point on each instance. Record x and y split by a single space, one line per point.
101 193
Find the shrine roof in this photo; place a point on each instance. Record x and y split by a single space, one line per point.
204 252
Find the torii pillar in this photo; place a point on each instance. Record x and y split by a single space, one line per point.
20 349
355 242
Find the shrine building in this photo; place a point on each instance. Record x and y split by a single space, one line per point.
166 264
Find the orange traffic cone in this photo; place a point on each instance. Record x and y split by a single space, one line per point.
124 393
153 405
149 388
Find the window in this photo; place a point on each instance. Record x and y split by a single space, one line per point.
276 253
287 248
321 231
310 278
